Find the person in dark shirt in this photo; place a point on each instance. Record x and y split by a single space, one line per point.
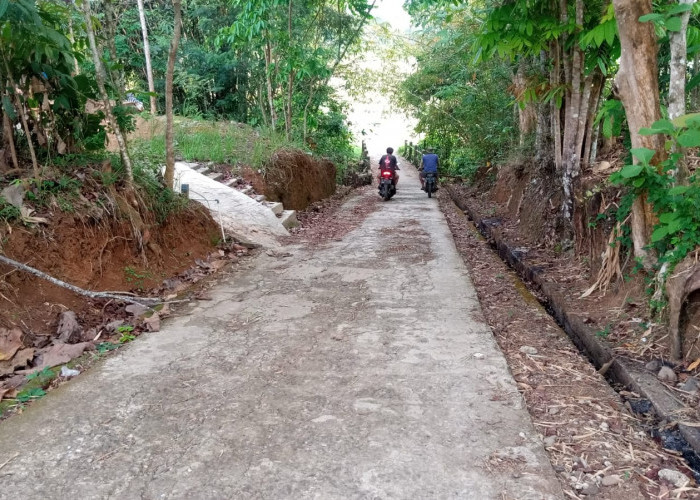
388 161
428 164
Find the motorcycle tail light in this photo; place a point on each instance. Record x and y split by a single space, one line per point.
386 173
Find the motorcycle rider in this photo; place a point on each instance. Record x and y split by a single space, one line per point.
429 163
389 162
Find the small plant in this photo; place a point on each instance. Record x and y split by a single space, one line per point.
30 394
105 347
8 212
603 334
136 278
46 373
127 336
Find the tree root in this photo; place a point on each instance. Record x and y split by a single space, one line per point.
143 301
610 267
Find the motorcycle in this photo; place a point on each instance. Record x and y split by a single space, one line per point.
430 183
386 184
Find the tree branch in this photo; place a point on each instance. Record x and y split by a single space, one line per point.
86 293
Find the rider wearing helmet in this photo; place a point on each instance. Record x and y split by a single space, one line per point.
429 164
388 161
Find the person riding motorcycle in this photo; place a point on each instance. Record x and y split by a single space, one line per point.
389 162
429 163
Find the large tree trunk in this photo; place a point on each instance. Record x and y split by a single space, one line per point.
169 147
676 87
573 127
101 76
678 65
637 81
147 56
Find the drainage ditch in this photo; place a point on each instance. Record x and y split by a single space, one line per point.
656 404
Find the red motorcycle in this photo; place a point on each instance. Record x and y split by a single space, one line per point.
387 189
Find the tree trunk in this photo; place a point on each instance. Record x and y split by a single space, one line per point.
638 76
23 119
261 102
678 67
101 77
169 147
268 79
543 129
147 56
290 78
527 112
591 147
555 76
9 139
573 127
117 74
76 67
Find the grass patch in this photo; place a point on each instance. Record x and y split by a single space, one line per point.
219 142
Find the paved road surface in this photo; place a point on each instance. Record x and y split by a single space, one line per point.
345 371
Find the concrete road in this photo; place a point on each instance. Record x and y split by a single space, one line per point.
358 369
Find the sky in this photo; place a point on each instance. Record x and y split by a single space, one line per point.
375 120
391 11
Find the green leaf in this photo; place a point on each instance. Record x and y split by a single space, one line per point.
659 234
639 182
3 6
692 83
674 226
664 126
610 32
629 171
608 127
651 17
668 217
599 35
689 138
674 24
8 107
678 9
644 155
685 120
678 190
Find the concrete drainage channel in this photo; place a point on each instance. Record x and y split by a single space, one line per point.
630 374
287 217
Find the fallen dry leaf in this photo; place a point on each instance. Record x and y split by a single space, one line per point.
694 365
152 323
19 360
57 354
10 342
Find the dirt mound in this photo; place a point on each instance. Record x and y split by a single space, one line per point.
100 257
297 179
